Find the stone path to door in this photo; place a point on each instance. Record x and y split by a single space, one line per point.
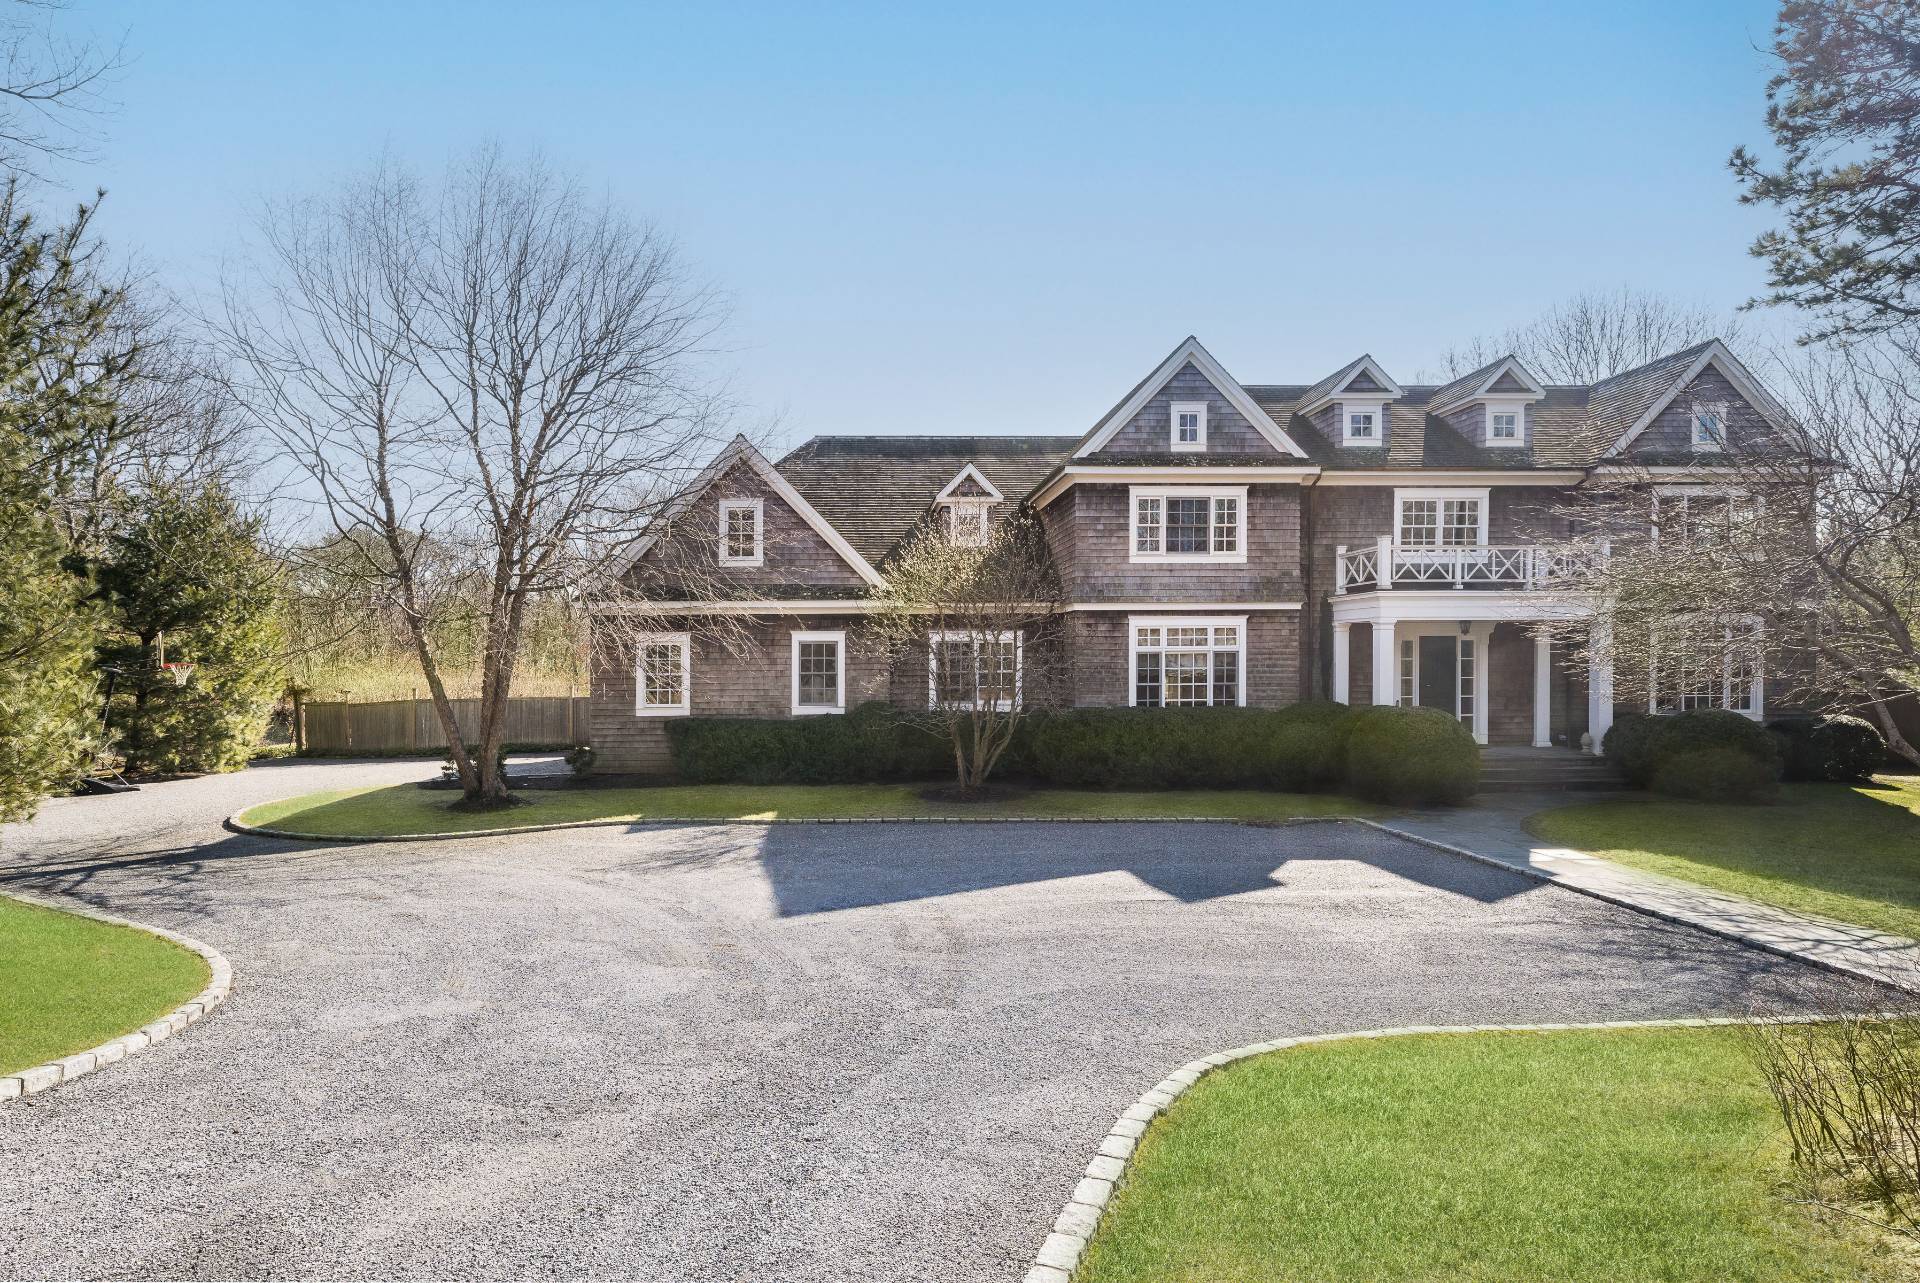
1495 830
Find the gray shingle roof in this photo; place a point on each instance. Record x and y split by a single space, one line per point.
1616 404
874 490
1467 383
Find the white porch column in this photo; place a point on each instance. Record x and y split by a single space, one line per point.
1482 634
1386 665
1600 684
1542 690
1342 654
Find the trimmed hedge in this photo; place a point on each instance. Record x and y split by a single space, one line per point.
1411 757
1709 754
1838 747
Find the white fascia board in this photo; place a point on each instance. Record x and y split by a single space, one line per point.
797 606
1391 391
1180 607
1400 605
1535 390
1110 474
1458 477
1223 383
1720 358
992 491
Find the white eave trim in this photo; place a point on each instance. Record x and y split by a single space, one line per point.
992 491
737 449
1511 365
1457 477
1720 358
1197 475
1171 608
1223 383
1389 390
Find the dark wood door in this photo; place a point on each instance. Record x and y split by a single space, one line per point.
1439 673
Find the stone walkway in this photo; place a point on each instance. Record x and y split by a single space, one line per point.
1495 829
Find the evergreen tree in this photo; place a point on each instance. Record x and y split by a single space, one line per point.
184 574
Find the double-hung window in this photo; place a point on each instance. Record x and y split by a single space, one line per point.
1715 671
973 670
1188 523
1440 518
1188 661
820 672
660 675
1709 426
741 540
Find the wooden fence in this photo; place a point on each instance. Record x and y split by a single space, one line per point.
399 725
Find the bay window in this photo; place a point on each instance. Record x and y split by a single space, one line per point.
1188 661
1189 523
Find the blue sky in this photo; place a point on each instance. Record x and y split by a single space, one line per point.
996 218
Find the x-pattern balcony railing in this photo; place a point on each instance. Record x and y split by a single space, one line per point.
1523 567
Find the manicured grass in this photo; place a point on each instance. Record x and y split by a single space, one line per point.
69 983
1613 1157
1850 853
402 809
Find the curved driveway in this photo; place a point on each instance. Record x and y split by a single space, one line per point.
729 1052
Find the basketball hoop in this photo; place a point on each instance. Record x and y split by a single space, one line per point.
180 672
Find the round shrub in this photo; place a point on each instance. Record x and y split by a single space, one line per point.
1717 773
1687 752
1305 746
1411 757
1628 744
1839 748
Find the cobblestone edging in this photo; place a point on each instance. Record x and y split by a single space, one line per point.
27 1082
1072 1230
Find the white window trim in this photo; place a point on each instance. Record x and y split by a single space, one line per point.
1136 622
1403 493
979 510
683 642
759 509
1173 426
1163 493
938 637
837 636
1518 409
1719 410
1378 409
1756 685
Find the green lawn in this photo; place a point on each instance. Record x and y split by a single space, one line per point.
1851 853
69 983
403 808
1613 1157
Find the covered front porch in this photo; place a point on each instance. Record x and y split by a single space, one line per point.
1476 656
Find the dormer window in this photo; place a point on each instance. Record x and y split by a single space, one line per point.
1503 425
967 522
1709 426
1189 425
1363 423
741 540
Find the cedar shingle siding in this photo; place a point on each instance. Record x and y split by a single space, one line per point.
876 492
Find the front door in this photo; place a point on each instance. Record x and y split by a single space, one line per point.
1440 674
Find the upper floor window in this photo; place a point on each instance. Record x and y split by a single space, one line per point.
660 675
967 522
1503 425
820 672
1189 425
969 670
1363 425
1188 662
1440 518
1188 523
741 539
1709 426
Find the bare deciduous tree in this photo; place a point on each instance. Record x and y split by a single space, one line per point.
1593 336
985 620
1801 559
489 388
50 89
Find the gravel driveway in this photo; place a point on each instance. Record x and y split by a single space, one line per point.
729 1052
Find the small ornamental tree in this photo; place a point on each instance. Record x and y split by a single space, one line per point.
979 624
185 572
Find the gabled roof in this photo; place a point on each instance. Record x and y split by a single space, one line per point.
1236 396
1478 383
992 491
877 489
1627 404
741 450
1327 389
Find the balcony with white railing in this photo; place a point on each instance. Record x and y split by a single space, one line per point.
1384 564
